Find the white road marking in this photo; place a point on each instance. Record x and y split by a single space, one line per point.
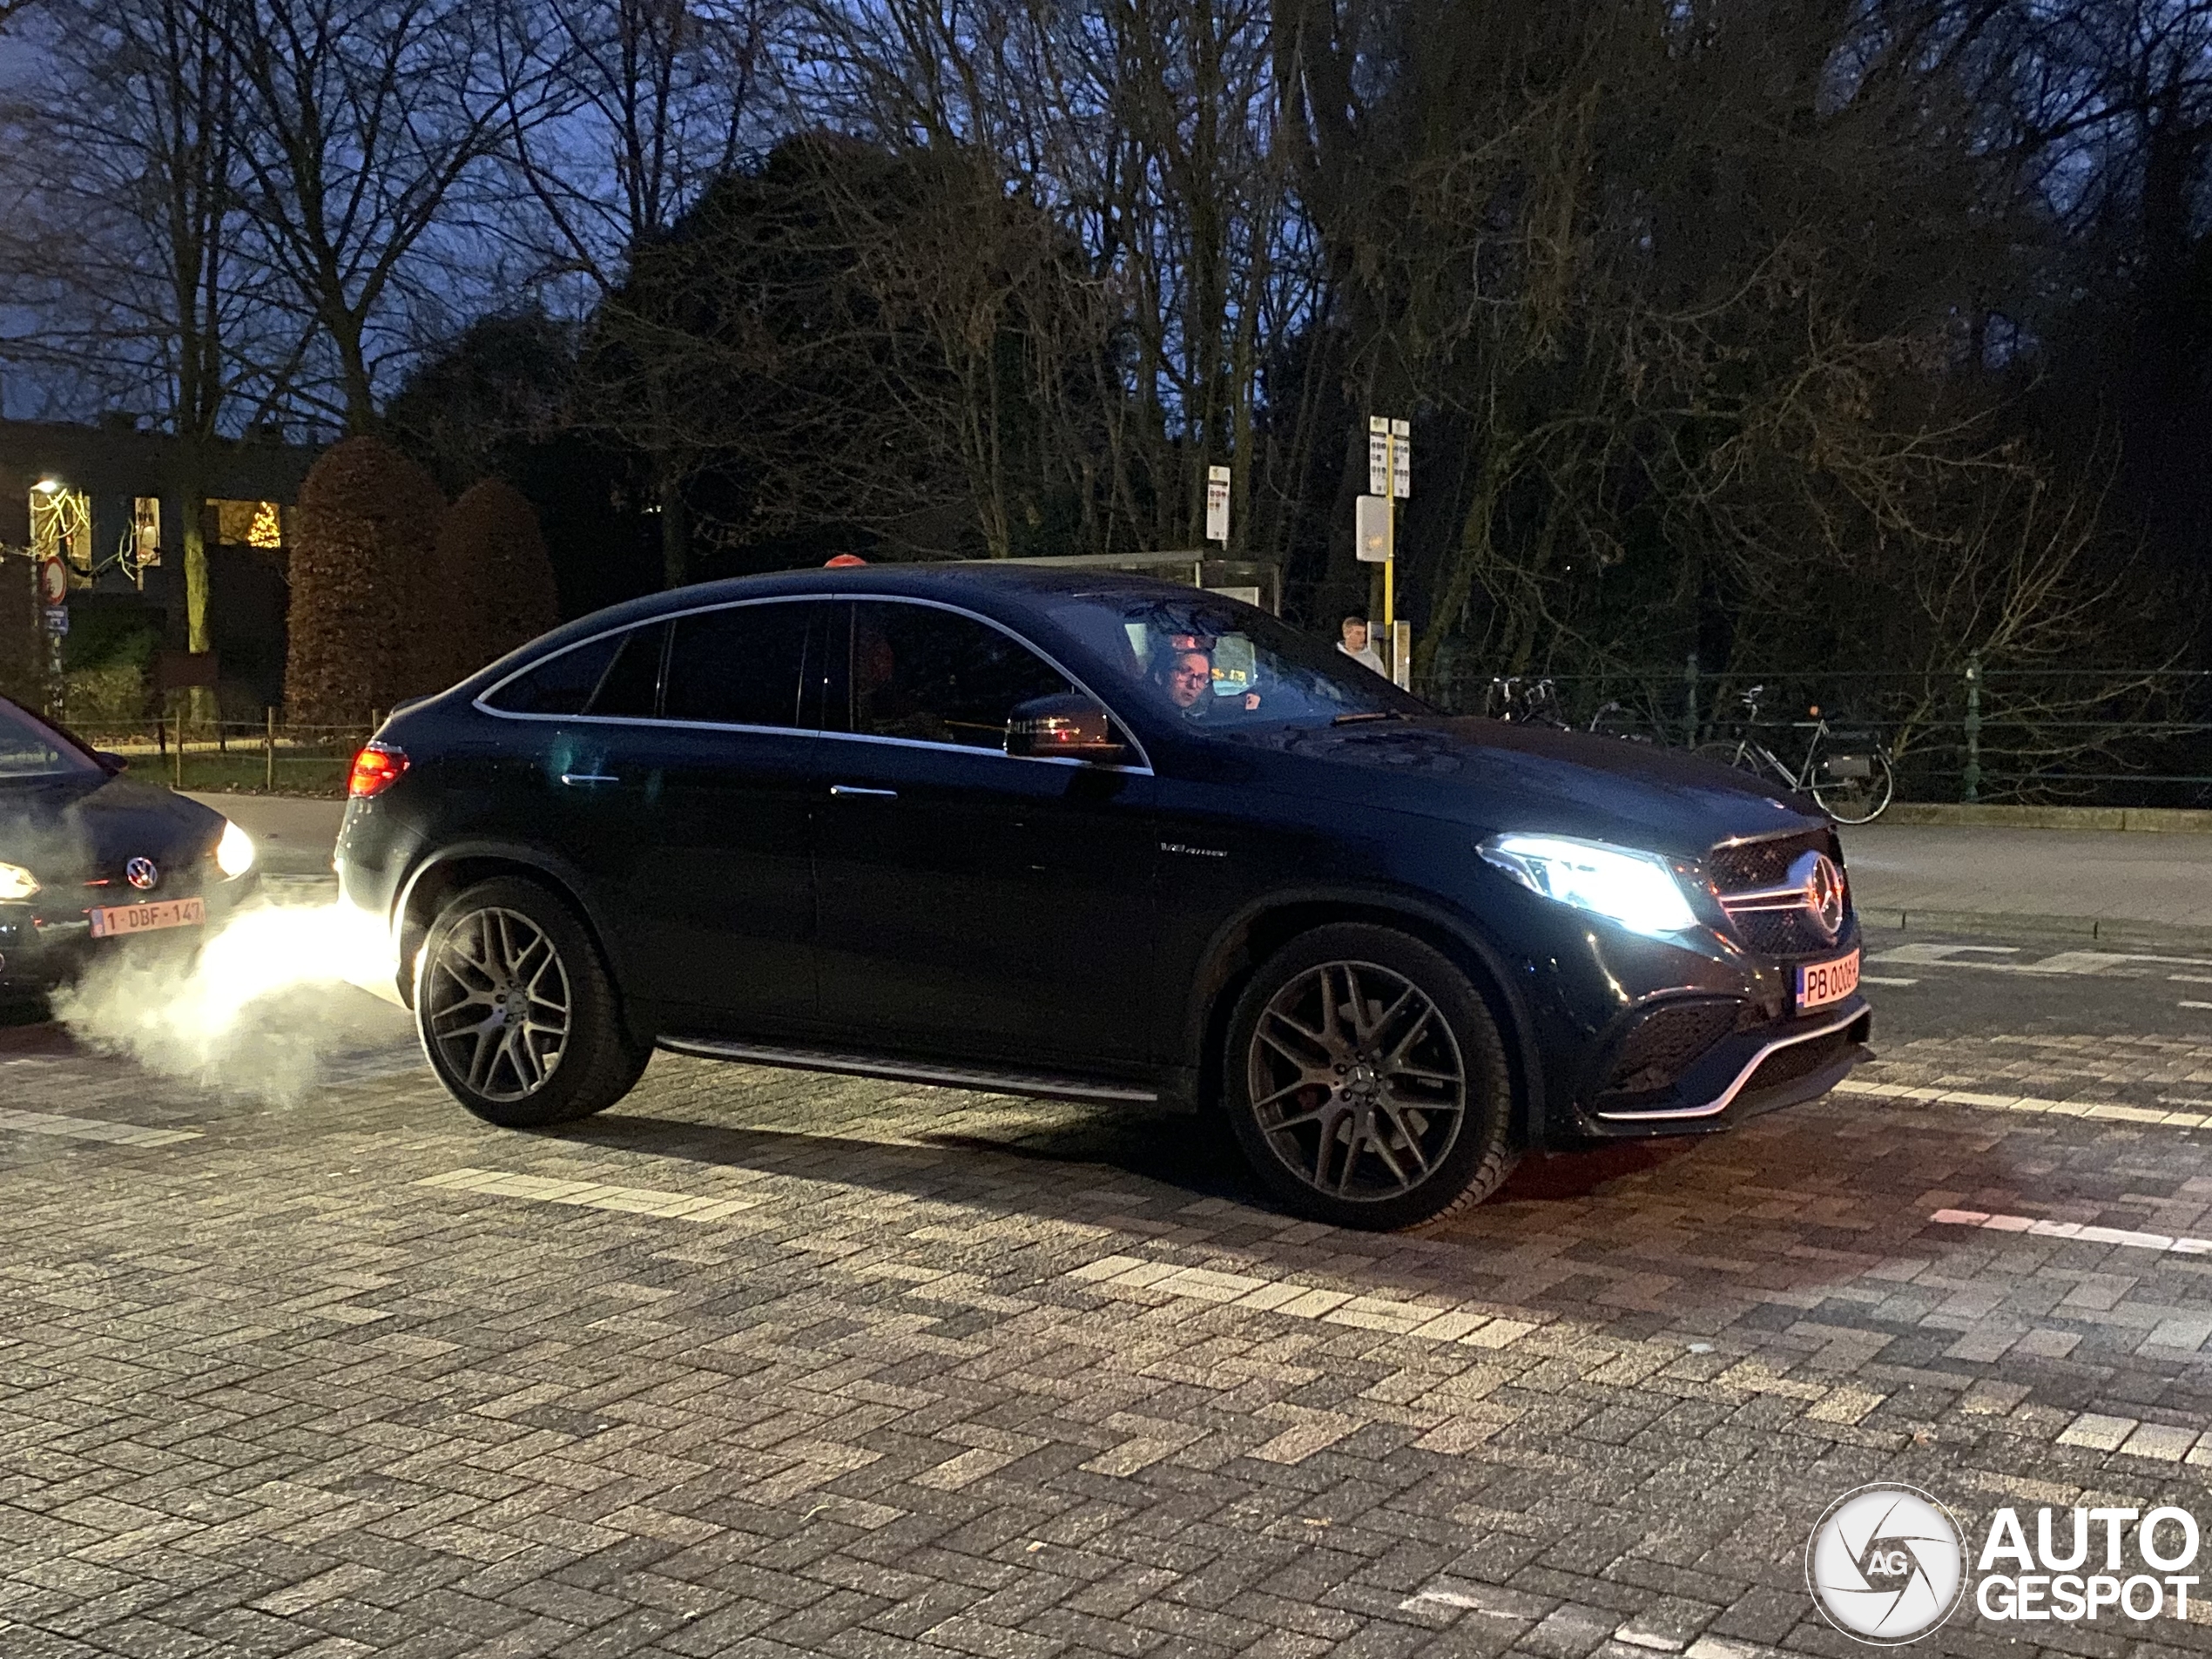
2097 964
2194 1005
2190 979
93 1128
1877 979
589 1195
2102 1110
2074 1230
1930 955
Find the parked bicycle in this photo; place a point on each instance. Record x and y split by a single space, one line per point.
1616 719
1526 702
1853 784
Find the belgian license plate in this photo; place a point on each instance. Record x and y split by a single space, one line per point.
111 921
1821 983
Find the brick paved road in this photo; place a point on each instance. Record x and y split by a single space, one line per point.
765 1364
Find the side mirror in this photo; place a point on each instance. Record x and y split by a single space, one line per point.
1068 724
113 763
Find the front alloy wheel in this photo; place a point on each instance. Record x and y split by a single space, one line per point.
517 1012
1367 1081
1356 1081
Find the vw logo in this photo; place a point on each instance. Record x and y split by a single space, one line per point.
1821 880
1885 1565
143 873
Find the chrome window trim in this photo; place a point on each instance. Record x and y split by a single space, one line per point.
673 617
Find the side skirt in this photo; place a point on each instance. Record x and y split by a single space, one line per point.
1049 1086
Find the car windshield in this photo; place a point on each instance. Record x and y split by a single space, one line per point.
1224 665
30 748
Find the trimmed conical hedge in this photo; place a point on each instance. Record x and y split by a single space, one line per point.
367 618
493 567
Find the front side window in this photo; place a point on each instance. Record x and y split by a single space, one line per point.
30 748
743 664
935 676
1224 667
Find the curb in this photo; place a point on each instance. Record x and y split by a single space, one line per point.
2171 820
2104 929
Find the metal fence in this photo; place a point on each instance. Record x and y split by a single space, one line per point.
2092 736
2104 737
268 757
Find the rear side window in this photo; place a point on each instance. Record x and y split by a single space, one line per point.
630 686
616 675
934 676
561 684
745 665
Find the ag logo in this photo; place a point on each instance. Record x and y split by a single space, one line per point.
1885 1565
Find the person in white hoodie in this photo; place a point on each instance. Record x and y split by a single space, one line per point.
1355 646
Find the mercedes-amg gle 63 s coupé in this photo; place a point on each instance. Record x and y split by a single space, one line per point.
1097 837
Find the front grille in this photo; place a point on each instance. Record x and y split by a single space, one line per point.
1665 1042
1799 1060
1737 866
1781 933
1743 868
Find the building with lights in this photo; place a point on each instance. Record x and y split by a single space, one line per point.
105 500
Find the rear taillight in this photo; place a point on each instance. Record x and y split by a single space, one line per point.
375 770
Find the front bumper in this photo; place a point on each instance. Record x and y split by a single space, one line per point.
1754 1069
1637 1037
45 944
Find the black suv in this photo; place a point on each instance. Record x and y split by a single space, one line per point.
1098 838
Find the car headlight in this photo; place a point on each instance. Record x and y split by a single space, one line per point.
1637 890
235 853
16 882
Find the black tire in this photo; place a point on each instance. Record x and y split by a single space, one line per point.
1858 800
512 949
1342 1124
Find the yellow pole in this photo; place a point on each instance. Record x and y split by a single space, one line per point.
1389 549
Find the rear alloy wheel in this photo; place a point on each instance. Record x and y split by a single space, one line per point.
1367 1082
516 1012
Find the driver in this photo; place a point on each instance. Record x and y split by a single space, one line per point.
1184 672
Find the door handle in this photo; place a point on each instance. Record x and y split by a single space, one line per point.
842 790
588 777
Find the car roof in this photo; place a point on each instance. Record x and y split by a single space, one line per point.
980 580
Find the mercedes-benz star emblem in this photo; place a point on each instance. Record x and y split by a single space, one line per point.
1885 1565
1816 875
143 873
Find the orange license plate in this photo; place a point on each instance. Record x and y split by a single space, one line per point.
1821 983
112 921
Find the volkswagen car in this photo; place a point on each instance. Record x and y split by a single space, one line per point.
92 861
1099 837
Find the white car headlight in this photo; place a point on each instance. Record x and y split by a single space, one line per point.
1637 890
235 853
16 882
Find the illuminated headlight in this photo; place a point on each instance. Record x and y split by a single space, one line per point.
235 853
16 882
1637 890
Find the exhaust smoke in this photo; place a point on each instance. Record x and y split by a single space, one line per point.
266 1009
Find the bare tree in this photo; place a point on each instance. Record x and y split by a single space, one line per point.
616 114
364 128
